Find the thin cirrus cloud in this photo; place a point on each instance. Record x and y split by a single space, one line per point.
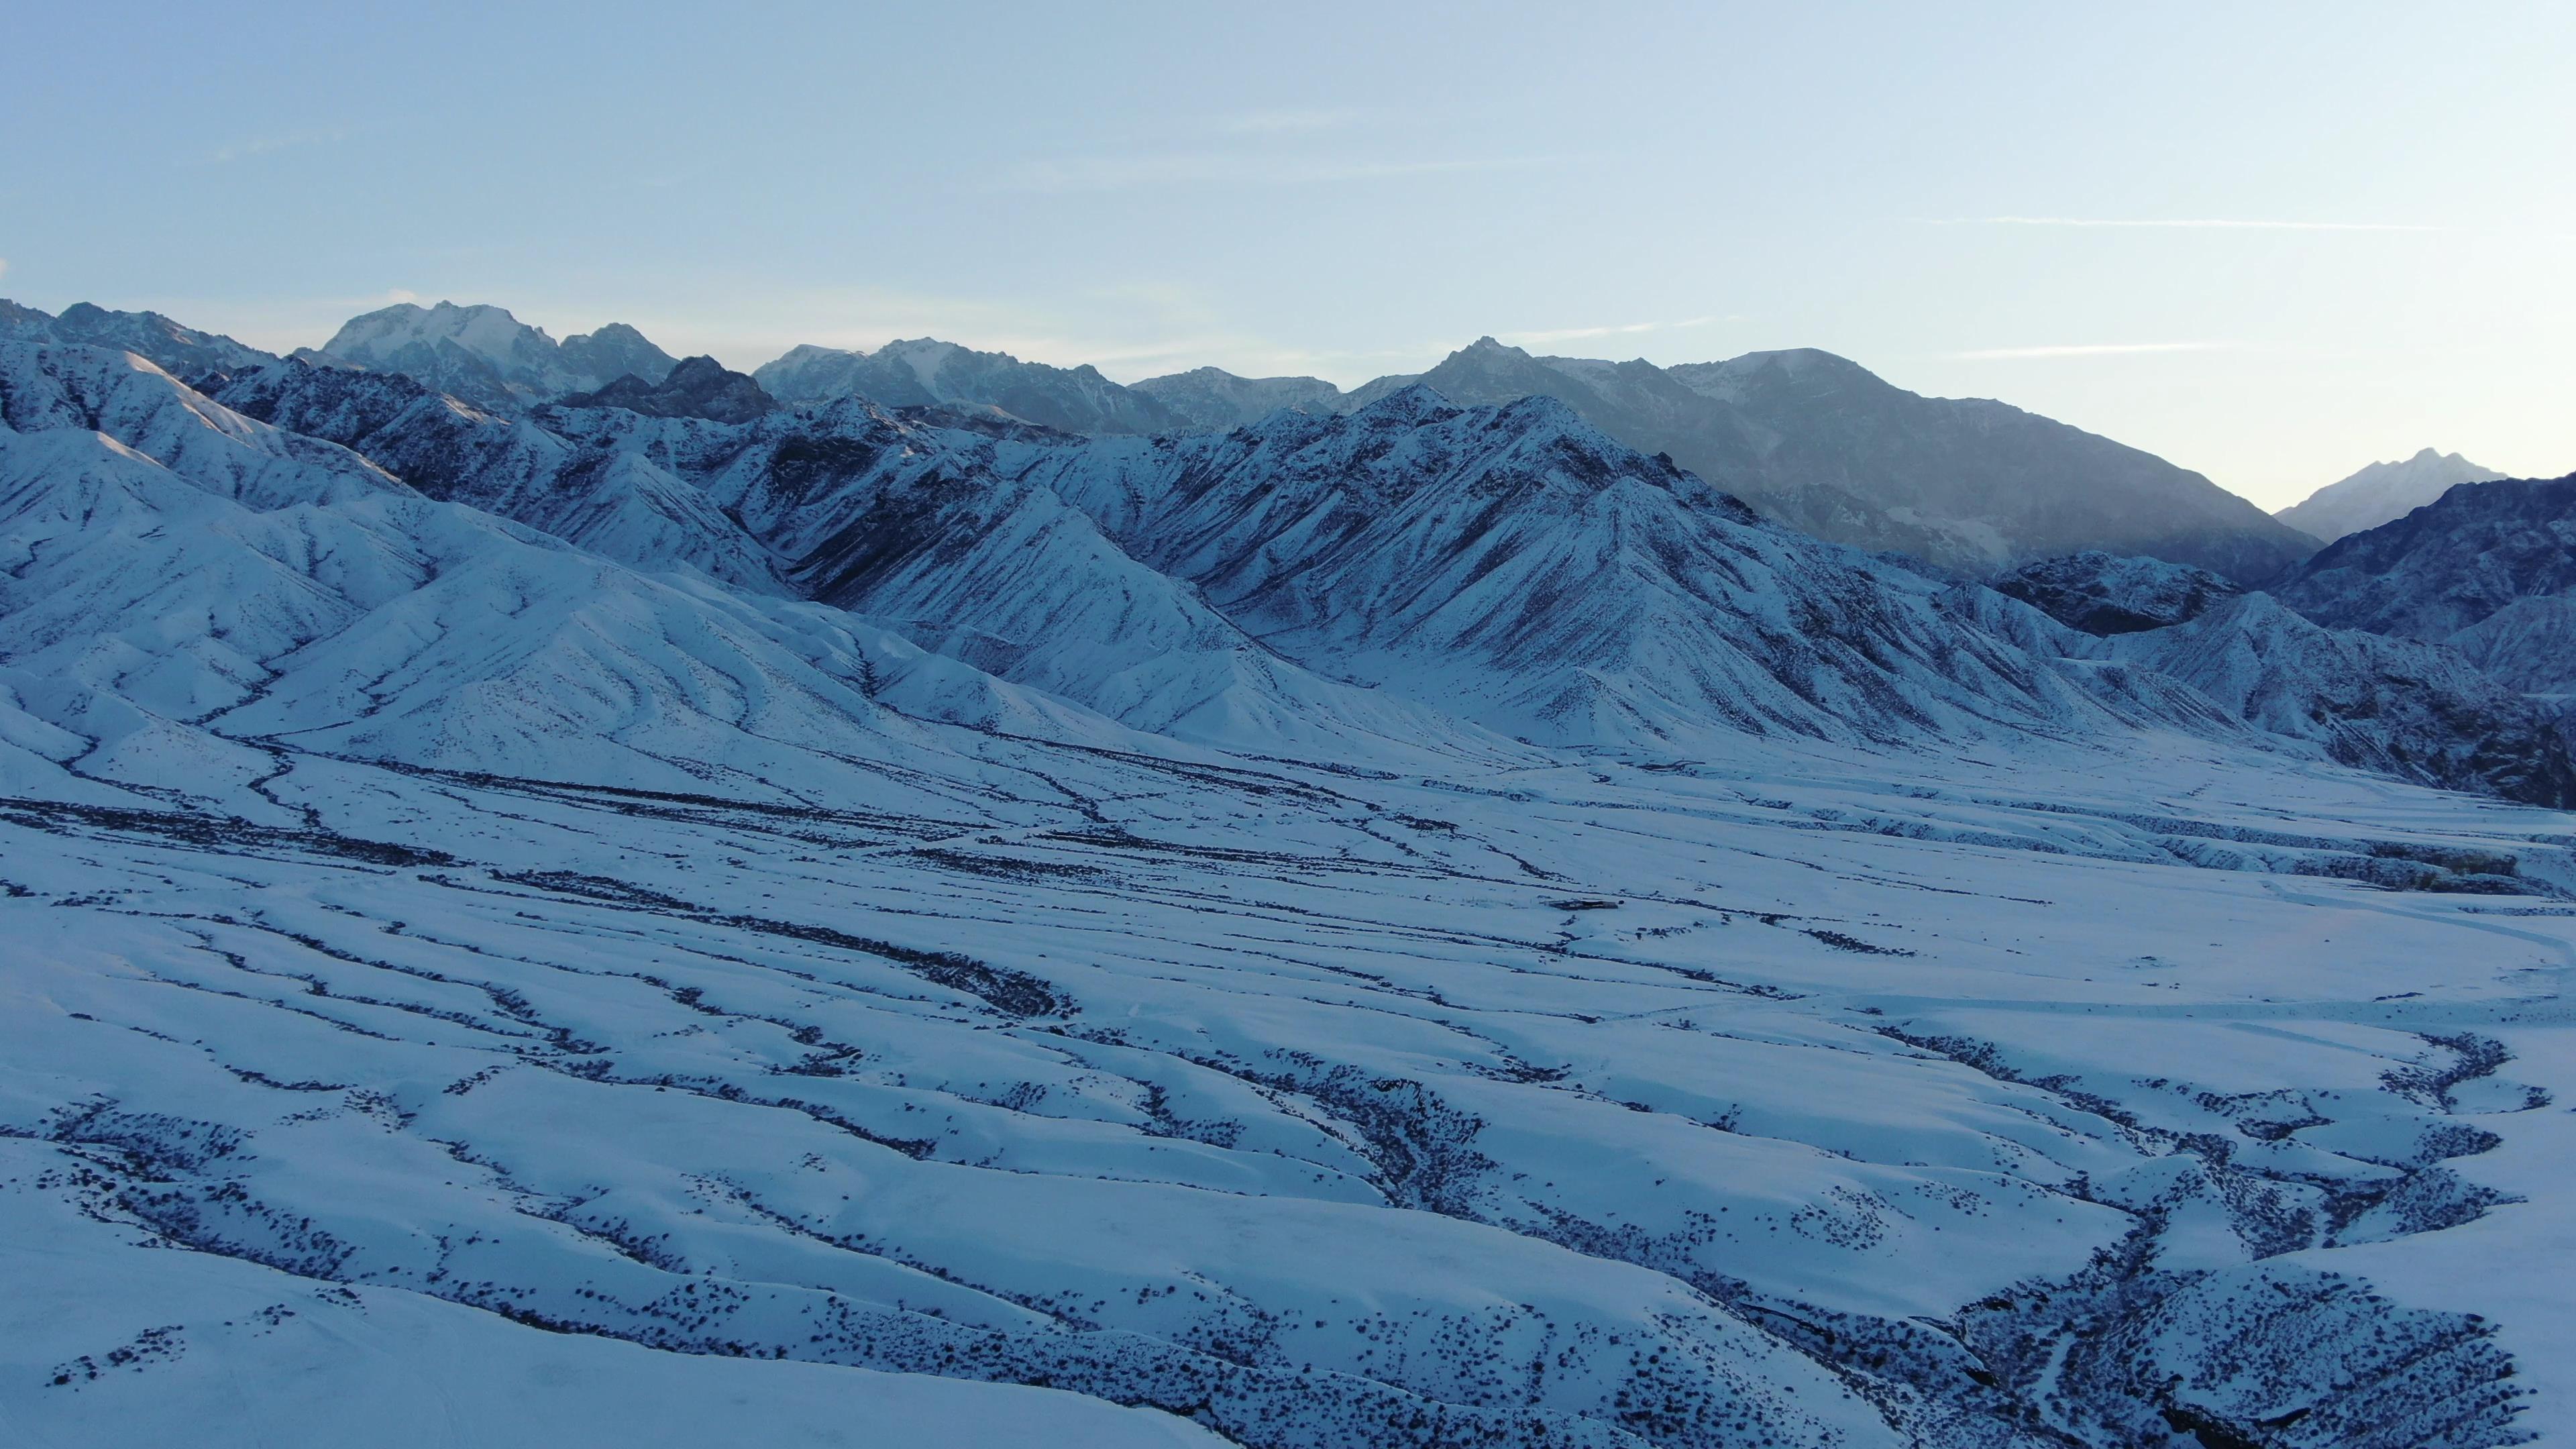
2086 349
1201 168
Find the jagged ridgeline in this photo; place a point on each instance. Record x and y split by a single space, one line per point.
663 904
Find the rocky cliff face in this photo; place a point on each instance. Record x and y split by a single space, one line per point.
2102 593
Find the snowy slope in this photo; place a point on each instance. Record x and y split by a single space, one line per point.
1302 1105
1515 565
2393 705
612 501
2381 493
190 609
879 515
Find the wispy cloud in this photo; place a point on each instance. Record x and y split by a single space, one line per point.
263 145
1624 329
1198 168
1289 122
2087 349
2199 223
4 266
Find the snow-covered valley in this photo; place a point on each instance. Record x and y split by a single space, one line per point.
853 924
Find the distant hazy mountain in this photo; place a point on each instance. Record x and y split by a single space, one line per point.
1824 445
486 356
700 387
2487 567
925 372
2380 493
182 351
1214 400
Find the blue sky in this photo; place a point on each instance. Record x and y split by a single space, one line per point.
2271 242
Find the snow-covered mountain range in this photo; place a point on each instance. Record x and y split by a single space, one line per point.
488 357
1415 572
180 350
1809 439
1414 925
925 372
2381 493
1806 437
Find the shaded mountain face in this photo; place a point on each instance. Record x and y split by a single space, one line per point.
2489 568
2447 565
487 357
2381 493
699 387
925 372
1825 446
2105 594
181 351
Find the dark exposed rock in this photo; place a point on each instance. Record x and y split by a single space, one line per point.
2100 593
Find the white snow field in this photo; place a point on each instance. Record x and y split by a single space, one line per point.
456 988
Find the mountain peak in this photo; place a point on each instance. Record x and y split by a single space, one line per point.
699 387
486 355
1410 405
2382 493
